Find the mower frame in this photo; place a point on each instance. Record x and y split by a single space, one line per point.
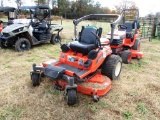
74 68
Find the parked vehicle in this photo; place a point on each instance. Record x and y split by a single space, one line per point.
86 60
24 33
126 40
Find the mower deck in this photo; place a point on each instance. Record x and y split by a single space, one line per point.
96 85
136 54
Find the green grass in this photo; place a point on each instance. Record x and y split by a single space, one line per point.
141 108
103 105
10 113
127 114
135 95
135 66
93 108
68 26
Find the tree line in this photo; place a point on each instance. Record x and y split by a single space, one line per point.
77 8
74 9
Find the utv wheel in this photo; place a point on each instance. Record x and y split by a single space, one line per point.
71 97
3 46
136 45
126 57
35 77
55 39
112 67
22 44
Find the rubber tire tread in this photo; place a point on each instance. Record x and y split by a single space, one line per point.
71 97
18 42
135 46
109 65
35 77
124 57
52 41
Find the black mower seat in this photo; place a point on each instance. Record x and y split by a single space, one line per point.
82 47
129 30
87 41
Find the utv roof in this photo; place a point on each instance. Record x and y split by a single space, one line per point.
35 7
7 9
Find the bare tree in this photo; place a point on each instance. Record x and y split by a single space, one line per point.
54 3
1 3
48 2
125 5
19 3
41 2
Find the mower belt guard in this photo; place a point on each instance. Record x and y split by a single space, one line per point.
54 72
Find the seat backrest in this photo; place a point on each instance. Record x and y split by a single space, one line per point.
129 25
43 26
87 36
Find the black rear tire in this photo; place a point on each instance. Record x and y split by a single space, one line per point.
136 45
55 39
35 77
112 67
22 44
3 46
71 97
126 57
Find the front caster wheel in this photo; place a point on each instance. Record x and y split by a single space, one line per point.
35 77
138 58
71 97
95 98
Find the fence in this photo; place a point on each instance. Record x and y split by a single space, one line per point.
147 28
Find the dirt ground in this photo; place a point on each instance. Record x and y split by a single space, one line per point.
135 95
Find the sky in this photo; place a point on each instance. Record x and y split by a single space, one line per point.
145 6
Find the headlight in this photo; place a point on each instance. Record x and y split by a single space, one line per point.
6 34
18 30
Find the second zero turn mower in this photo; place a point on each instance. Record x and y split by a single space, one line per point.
126 40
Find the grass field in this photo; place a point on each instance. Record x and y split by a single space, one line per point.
135 95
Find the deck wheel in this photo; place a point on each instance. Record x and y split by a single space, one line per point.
95 98
35 77
71 97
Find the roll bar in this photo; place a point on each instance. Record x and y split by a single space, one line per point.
124 10
33 10
113 24
137 18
